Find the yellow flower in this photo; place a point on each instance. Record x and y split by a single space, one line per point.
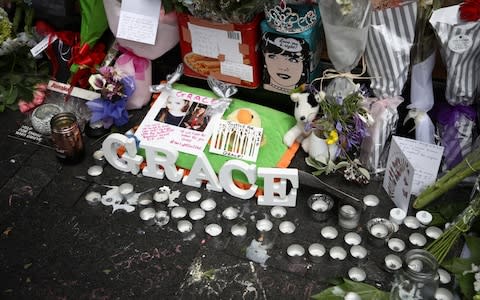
332 137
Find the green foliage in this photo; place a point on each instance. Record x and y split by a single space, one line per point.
365 291
460 267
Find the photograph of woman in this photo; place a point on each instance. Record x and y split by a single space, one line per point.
174 111
197 119
286 63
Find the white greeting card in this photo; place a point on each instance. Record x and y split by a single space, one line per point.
411 166
181 120
236 140
138 20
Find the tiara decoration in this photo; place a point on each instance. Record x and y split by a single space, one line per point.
284 19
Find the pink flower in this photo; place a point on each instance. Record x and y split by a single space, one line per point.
24 106
41 87
38 94
37 100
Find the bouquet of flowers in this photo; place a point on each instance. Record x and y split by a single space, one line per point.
222 11
341 125
20 72
115 88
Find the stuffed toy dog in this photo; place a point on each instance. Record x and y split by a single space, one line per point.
306 110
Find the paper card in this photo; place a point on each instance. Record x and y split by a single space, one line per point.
138 20
411 166
181 120
236 140
42 45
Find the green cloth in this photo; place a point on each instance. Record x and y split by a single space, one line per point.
275 124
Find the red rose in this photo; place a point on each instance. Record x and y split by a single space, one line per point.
470 10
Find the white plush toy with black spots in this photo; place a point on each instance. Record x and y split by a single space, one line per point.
306 110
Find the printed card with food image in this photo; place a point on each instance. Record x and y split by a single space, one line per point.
181 120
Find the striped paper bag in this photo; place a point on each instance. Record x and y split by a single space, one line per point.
387 54
460 49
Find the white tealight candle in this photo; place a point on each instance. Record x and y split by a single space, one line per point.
397 215
379 230
320 205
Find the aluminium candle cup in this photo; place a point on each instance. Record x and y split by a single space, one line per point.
357 274
178 212
148 216
417 239
239 231
99 158
214 233
424 217
197 216
316 252
126 190
443 294
392 262
160 196
230 217
397 215
209 206
162 218
278 212
144 200
185 227
93 198
287 230
295 253
265 234
358 252
337 253
193 196
379 231
320 206
348 217
352 238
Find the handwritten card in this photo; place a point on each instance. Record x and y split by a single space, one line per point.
182 120
236 140
138 20
411 166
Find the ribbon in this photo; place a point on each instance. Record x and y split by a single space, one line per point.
168 84
84 61
448 115
70 38
332 74
108 112
140 64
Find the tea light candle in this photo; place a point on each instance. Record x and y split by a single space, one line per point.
125 190
397 215
160 196
162 218
338 253
278 212
184 226
348 217
239 230
316 252
193 196
264 232
357 274
320 205
148 215
379 230
213 230
295 253
99 158
93 198
424 217
371 200
178 212
393 262
352 238
196 214
230 213
208 204
358 252
95 171
287 227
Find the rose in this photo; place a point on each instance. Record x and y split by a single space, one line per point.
470 10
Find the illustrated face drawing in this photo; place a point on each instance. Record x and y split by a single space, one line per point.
284 61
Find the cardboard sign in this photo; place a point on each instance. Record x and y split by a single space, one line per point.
139 20
411 166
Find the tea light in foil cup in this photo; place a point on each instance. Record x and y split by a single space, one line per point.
148 215
278 212
126 190
352 238
371 200
444 276
208 204
320 206
239 230
411 222
193 196
397 215
95 171
144 200
433 232
184 226
214 231
287 227
337 253
379 230
424 217
230 213
93 198
352 296
358 252
417 239
348 217
316 251
443 294
162 218
196 214
99 158
393 262
295 253
329 232
396 244
357 274
264 232
160 196
178 212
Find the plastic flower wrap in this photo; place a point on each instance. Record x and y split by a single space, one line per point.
423 62
115 88
459 42
390 40
342 123
224 11
346 24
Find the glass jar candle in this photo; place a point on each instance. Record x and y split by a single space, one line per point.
418 278
348 217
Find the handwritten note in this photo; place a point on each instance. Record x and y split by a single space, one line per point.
411 166
138 20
